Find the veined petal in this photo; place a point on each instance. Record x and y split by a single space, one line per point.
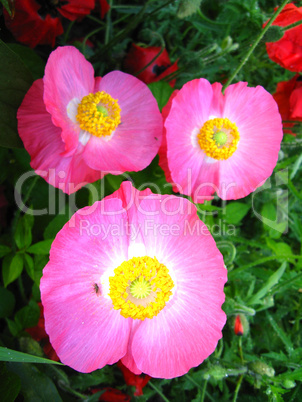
42 139
68 75
84 329
136 140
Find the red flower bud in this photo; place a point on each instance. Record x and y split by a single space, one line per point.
238 327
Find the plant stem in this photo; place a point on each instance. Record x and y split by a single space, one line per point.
287 257
237 388
293 25
162 6
250 51
150 62
204 390
121 35
108 23
158 391
240 349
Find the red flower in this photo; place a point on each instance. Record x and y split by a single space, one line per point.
38 22
238 327
289 99
112 395
38 333
138 381
104 8
288 50
138 57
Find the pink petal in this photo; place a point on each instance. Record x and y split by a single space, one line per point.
84 329
68 75
187 330
43 142
186 117
256 115
136 140
162 152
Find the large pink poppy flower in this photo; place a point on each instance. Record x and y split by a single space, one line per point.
135 277
77 127
226 144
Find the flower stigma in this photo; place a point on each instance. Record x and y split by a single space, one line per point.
140 287
99 114
218 138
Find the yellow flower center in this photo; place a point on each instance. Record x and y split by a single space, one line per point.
140 287
99 114
218 138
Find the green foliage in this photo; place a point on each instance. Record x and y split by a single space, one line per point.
10 384
15 81
259 236
8 355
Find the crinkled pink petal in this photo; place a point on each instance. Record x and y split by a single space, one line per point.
68 75
162 152
84 329
136 140
87 332
43 142
187 330
182 125
256 115
128 359
259 123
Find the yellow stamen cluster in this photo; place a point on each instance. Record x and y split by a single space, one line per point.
218 138
99 114
140 287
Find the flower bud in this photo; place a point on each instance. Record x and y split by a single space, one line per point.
238 327
187 8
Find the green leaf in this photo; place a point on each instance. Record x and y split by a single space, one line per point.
13 327
6 4
12 268
32 61
42 247
29 266
235 212
273 279
57 223
279 248
23 235
4 250
161 91
15 80
9 355
35 385
28 316
270 221
10 384
294 375
7 303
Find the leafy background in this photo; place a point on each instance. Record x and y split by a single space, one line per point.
259 236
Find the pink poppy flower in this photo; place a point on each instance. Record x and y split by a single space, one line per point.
226 144
136 277
77 128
